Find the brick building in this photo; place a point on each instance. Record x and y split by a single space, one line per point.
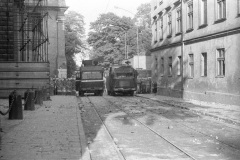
195 49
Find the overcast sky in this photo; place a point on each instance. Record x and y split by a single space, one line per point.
91 9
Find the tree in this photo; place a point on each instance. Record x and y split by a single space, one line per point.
74 37
110 32
143 18
107 37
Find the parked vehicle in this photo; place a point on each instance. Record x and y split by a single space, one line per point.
122 79
90 79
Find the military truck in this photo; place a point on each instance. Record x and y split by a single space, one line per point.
90 78
122 79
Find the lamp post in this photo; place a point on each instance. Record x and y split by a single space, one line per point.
125 33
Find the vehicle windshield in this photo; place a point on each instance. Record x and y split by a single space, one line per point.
121 75
91 75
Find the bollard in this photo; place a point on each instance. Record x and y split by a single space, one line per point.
29 100
38 97
44 94
15 102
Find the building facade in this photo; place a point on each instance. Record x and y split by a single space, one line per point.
140 62
195 49
56 9
32 43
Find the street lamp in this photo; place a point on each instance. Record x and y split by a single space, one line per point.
125 33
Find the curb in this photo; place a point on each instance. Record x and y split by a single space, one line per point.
195 111
85 153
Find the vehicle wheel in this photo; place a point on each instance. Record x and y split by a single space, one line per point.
113 93
108 92
132 93
101 93
81 94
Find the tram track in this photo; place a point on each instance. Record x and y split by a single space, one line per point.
193 129
120 153
111 107
153 131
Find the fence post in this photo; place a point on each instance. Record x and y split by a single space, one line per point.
38 97
44 93
29 100
15 102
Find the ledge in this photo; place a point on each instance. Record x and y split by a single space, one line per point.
220 20
220 77
169 36
202 26
179 33
189 30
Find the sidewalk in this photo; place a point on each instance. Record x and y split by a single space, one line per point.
228 113
51 132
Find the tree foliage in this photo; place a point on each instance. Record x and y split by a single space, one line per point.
109 34
74 39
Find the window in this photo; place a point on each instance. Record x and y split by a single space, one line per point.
161 28
91 75
170 66
204 64
238 5
155 30
203 12
179 66
169 24
179 27
191 66
221 9
156 63
221 62
162 66
190 15
160 2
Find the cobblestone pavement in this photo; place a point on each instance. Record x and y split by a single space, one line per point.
229 113
51 132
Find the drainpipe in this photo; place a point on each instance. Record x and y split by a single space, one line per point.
182 51
56 71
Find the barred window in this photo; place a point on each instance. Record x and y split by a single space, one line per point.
155 30
238 5
204 64
169 24
221 9
203 12
160 2
190 15
169 66
161 28
191 66
179 65
162 66
179 21
221 62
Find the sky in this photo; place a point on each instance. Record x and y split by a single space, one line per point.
91 9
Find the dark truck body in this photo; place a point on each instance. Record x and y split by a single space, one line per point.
90 80
121 79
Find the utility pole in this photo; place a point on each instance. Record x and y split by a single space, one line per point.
125 34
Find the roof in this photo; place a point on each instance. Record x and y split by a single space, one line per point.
92 68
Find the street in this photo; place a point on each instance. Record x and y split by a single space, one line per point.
134 128
116 128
